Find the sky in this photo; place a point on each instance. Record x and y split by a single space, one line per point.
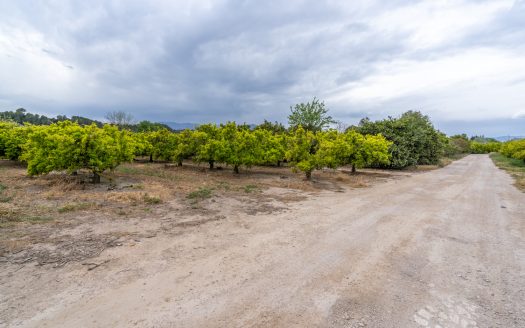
460 62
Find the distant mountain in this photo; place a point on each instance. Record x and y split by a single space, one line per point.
181 126
507 138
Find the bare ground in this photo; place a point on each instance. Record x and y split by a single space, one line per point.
440 248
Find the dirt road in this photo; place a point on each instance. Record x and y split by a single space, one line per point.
444 248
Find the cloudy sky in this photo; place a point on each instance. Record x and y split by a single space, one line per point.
461 62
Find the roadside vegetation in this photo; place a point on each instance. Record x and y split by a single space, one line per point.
515 167
308 145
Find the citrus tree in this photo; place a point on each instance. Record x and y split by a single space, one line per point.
12 139
514 149
209 144
69 146
302 151
240 146
272 147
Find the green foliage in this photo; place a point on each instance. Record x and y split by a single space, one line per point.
239 146
209 144
484 148
188 142
302 149
414 139
69 146
147 126
312 116
457 144
21 116
272 147
514 149
275 127
200 194
163 144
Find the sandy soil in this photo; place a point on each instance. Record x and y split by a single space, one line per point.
443 248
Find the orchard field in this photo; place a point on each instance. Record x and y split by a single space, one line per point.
237 225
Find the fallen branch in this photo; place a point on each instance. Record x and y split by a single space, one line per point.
93 266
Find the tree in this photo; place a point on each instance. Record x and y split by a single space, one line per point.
484 147
272 147
188 142
302 149
119 118
275 127
208 145
514 149
163 144
415 140
239 146
312 116
69 146
12 139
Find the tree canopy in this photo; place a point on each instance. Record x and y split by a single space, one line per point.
312 116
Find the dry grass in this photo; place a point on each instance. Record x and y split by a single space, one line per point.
42 213
515 167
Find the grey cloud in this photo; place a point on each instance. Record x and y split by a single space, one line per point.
246 61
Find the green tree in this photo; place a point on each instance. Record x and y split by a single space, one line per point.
69 146
312 116
239 146
209 144
302 148
275 127
272 147
414 139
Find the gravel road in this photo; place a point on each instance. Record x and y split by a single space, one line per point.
444 248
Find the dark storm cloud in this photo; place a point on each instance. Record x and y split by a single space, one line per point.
229 60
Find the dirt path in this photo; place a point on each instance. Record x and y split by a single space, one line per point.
445 248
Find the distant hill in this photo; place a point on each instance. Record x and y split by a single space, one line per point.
507 138
180 126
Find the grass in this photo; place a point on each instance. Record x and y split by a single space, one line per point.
200 194
32 219
152 200
75 207
4 198
515 167
250 188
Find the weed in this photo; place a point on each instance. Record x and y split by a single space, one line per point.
250 188
75 207
152 200
4 198
223 185
9 221
200 194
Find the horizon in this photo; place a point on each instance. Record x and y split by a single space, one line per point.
461 63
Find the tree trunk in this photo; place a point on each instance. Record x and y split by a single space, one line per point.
96 177
151 158
308 175
211 164
278 163
236 169
353 168
74 173
180 163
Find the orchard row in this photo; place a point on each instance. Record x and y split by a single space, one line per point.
67 146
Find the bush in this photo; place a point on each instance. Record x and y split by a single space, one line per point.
414 139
